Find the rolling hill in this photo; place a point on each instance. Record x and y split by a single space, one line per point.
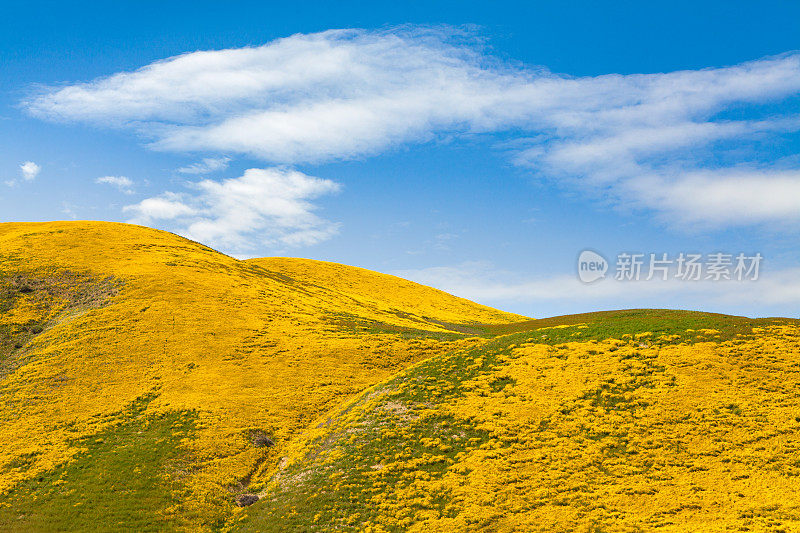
150 383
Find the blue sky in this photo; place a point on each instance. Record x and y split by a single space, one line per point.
475 147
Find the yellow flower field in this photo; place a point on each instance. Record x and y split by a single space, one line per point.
148 383
242 344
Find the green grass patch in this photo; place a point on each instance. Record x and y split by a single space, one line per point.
116 484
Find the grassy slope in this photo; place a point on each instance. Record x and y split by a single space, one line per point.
620 421
97 316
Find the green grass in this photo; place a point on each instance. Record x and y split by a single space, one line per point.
115 484
616 324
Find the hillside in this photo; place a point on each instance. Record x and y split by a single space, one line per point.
123 334
148 383
621 421
385 293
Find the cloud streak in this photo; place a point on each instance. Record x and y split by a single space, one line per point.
122 183
206 166
644 141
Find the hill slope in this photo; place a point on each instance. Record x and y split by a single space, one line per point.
148 382
388 294
563 427
112 330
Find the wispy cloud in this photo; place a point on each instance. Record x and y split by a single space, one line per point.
206 166
640 140
269 207
120 182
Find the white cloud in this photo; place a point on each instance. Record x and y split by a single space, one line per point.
717 197
168 206
120 182
641 139
206 166
263 207
481 282
29 170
